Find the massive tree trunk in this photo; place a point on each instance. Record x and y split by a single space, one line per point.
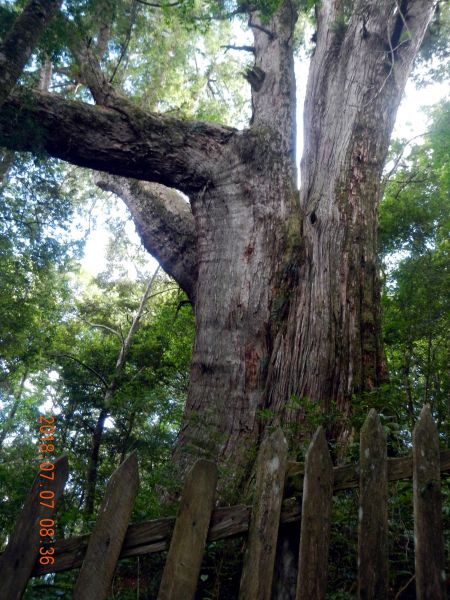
284 285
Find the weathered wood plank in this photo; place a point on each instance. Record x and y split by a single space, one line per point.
347 476
259 560
149 537
154 536
22 552
373 578
316 520
105 542
184 559
429 543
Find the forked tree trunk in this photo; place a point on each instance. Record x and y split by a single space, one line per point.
288 295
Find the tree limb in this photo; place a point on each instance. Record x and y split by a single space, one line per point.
123 141
165 224
106 328
135 324
92 75
82 364
16 49
239 48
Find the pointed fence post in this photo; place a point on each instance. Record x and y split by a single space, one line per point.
259 561
184 559
105 542
373 576
429 544
22 551
316 520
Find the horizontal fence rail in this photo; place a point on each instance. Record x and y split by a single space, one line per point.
312 486
154 536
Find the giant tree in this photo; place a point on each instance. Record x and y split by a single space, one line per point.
284 283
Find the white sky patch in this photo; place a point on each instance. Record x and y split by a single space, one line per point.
95 259
411 117
49 408
109 423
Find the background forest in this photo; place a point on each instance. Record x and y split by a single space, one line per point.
109 354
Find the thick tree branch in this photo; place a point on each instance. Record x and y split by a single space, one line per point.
165 224
123 141
20 41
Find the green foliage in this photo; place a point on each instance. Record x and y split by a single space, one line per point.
415 229
35 250
433 61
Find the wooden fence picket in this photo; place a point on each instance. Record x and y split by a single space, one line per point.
154 536
21 554
316 520
198 522
259 560
429 544
105 542
184 559
373 579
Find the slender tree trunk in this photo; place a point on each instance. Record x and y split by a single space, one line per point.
91 480
428 368
94 455
8 424
407 385
127 436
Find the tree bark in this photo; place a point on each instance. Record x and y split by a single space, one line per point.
94 455
123 140
330 347
20 41
285 290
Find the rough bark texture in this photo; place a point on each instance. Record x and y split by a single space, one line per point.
19 43
330 347
247 226
125 141
285 290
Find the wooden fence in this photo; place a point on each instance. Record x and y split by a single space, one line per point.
198 522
